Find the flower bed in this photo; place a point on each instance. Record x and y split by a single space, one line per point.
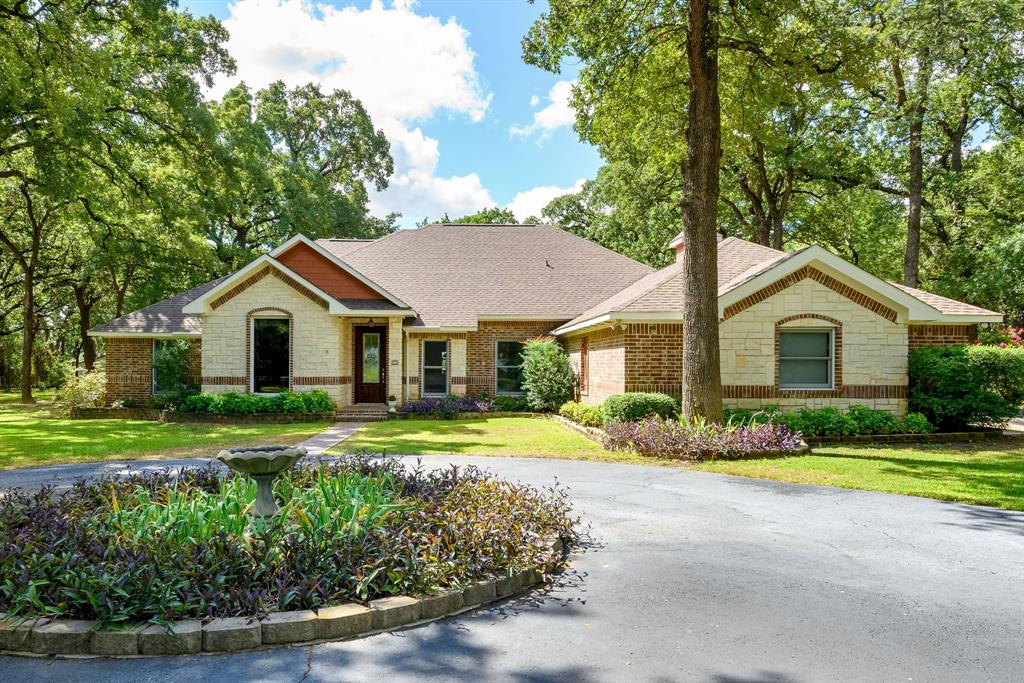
446 407
703 441
158 547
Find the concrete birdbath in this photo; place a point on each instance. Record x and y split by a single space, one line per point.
262 463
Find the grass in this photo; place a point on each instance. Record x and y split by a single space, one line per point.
530 436
982 474
35 435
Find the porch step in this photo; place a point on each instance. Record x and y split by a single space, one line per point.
362 412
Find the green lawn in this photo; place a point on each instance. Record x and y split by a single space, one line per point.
533 436
986 474
982 474
34 435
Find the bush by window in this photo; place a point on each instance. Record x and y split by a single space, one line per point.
82 391
548 377
958 386
249 404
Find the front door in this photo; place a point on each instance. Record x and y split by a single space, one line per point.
371 366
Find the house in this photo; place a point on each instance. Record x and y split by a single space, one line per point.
446 308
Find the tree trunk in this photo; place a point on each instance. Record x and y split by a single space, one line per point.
911 259
28 337
85 303
702 378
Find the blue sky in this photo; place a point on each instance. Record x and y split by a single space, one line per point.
470 124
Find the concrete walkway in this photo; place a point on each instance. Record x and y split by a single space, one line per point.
331 436
687 576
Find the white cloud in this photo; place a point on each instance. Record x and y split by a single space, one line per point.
532 202
556 114
403 67
990 144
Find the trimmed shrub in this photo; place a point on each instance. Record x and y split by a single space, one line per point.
317 401
633 406
585 414
869 421
509 404
958 386
916 423
701 440
82 391
548 377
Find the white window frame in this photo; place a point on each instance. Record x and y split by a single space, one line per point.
447 367
252 350
497 392
831 359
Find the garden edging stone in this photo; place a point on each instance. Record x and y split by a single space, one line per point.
45 636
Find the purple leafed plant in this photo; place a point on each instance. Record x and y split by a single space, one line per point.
702 441
447 406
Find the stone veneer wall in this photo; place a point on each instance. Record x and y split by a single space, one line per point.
317 339
871 354
922 336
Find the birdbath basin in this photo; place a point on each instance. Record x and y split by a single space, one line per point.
262 463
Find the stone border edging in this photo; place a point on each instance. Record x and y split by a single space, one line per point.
43 636
934 437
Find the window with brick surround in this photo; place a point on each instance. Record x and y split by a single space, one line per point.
435 368
806 359
508 367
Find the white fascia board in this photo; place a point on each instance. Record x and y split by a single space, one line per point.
341 264
916 309
623 317
199 305
354 313
675 242
145 335
438 330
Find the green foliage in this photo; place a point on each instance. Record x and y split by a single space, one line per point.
316 401
163 546
829 421
170 366
509 404
87 390
586 414
959 386
548 377
634 406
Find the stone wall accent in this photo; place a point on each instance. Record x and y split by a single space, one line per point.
129 368
871 351
320 350
925 336
828 281
259 275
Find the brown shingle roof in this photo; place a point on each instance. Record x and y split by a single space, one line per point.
944 305
451 273
662 291
163 317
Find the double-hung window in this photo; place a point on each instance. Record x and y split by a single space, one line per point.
435 368
807 359
508 367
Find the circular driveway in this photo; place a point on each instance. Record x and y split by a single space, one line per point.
688 576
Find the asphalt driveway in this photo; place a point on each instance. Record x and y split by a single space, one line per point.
689 577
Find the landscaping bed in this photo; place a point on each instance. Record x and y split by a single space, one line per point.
393 545
155 415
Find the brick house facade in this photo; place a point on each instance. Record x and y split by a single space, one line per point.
357 315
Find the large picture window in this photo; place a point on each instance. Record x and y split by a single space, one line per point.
435 368
806 359
271 355
509 367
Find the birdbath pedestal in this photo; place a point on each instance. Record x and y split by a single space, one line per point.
262 463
